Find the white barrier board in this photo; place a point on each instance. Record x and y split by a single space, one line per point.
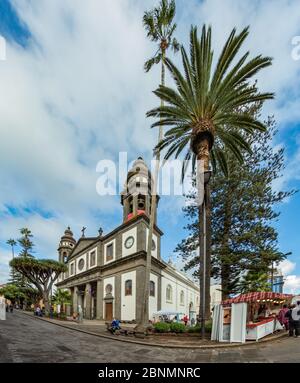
2 309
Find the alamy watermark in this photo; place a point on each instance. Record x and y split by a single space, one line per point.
113 178
296 50
2 48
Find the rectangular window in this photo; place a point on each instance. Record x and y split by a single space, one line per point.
92 258
72 269
109 252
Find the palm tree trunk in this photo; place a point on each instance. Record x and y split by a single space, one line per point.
144 321
208 250
204 240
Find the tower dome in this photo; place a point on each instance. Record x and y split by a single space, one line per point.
136 196
66 245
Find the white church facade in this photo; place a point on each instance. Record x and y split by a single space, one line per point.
105 273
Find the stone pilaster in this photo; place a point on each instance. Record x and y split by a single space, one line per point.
88 301
117 295
159 293
140 280
99 310
75 300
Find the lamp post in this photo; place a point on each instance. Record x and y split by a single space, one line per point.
204 227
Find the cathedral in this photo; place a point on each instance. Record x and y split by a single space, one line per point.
106 272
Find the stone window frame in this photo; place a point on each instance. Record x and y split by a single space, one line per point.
72 268
106 245
169 293
152 290
181 299
94 251
128 289
82 262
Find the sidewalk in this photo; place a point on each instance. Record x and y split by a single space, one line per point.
98 328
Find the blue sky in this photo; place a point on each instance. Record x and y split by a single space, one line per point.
73 92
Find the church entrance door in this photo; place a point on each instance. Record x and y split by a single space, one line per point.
108 311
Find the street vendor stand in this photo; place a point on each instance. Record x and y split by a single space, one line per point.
252 321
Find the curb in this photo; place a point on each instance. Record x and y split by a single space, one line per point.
194 347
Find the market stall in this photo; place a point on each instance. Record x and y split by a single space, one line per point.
262 311
248 316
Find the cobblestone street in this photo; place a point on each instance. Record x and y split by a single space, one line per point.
27 339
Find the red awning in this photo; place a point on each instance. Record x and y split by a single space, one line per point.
257 296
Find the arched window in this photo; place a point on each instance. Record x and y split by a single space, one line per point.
182 297
152 289
128 287
169 293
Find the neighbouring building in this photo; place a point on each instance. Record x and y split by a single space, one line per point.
106 272
215 294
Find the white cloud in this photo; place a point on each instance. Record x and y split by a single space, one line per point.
292 284
286 267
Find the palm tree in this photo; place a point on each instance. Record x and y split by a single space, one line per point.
160 28
205 113
62 297
12 243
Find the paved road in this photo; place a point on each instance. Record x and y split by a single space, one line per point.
27 339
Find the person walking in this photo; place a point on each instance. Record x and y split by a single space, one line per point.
288 315
185 320
281 317
80 314
296 319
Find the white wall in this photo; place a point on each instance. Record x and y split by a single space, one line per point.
153 300
128 302
129 233
177 285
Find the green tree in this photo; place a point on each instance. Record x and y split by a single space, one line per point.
205 116
160 28
255 281
25 242
12 243
42 273
12 292
62 297
244 210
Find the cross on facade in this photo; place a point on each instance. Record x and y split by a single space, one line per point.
83 230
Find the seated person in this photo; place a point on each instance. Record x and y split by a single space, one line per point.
115 325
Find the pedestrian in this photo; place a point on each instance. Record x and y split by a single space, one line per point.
288 315
281 317
80 314
296 319
51 312
185 320
11 307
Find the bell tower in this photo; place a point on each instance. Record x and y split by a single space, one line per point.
136 196
66 245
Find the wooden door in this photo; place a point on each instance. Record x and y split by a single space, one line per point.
108 311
